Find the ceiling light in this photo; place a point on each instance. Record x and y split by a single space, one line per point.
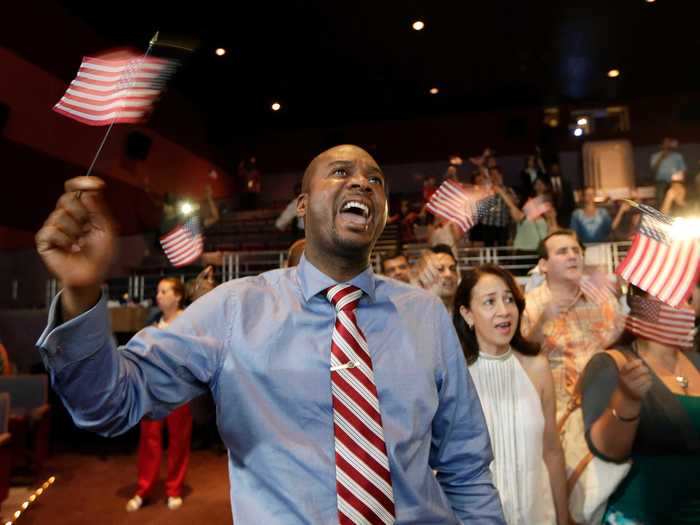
276 106
582 121
578 132
434 91
650 1
220 51
418 25
614 73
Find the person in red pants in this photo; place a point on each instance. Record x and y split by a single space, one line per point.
170 298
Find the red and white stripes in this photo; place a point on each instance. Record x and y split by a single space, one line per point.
363 479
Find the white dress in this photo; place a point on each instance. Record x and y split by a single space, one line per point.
515 420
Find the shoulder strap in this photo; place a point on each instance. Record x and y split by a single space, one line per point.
618 356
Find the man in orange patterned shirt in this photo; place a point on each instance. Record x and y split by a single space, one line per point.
569 325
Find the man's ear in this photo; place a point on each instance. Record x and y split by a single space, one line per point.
301 204
543 265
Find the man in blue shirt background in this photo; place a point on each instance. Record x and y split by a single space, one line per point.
664 164
261 345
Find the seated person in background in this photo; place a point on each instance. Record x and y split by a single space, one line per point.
516 389
591 224
649 411
396 266
437 272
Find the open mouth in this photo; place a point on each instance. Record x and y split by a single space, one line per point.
504 327
356 213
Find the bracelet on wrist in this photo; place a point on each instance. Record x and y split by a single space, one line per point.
624 419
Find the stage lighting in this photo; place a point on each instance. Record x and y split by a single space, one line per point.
220 51
418 25
614 73
578 132
276 106
434 91
186 208
582 121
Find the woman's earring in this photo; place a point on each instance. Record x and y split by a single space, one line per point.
470 325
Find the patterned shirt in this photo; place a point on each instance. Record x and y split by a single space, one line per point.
573 338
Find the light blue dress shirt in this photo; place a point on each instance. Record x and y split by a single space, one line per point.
672 163
262 346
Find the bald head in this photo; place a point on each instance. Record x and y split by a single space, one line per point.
344 150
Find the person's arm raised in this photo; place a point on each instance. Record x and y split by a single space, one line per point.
77 244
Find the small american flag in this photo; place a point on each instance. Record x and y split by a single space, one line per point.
654 320
465 208
664 267
536 207
119 88
183 244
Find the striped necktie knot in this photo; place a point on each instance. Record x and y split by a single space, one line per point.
345 297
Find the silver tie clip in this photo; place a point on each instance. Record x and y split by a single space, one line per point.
349 364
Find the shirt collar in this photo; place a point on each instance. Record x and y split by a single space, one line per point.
313 281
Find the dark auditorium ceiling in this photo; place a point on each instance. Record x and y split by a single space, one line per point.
334 63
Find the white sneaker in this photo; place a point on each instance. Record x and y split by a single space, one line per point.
134 504
174 503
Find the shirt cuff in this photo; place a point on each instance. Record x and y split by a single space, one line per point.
76 339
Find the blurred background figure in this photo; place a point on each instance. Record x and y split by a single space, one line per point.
397 267
591 224
170 299
437 272
288 218
563 198
296 250
664 164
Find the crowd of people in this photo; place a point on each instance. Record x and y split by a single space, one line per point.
431 394
593 215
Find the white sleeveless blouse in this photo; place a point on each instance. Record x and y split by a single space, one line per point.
515 421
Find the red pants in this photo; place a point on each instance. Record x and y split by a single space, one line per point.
151 449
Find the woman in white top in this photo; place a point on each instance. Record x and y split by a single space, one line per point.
516 390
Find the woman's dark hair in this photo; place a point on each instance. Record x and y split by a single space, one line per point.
463 297
178 289
626 338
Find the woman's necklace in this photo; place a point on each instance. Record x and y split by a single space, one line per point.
680 379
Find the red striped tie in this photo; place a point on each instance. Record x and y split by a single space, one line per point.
362 474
